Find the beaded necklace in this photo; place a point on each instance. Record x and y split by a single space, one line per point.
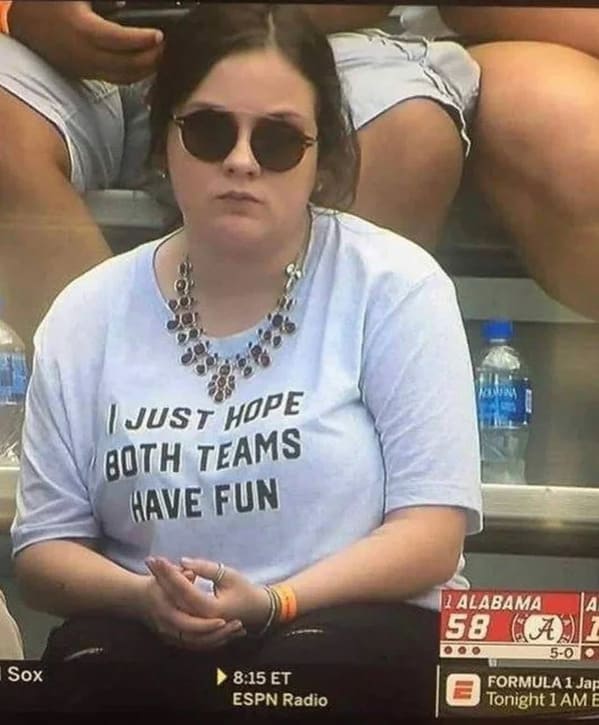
224 372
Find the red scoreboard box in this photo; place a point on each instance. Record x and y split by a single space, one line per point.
528 625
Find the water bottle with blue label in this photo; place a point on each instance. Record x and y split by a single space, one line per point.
504 399
13 385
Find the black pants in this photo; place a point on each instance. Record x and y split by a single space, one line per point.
365 658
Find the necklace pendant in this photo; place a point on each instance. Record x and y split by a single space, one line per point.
221 387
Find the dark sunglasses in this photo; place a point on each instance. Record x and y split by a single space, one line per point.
210 135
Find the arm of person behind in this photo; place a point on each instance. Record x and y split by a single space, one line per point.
417 383
575 27
81 44
331 18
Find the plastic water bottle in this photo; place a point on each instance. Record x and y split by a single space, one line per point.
13 384
504 397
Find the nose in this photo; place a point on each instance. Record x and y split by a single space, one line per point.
241 159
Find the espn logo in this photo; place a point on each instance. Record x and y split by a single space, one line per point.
462 690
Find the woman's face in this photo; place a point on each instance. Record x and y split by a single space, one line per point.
250 86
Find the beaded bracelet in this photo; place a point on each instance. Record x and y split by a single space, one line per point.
4 8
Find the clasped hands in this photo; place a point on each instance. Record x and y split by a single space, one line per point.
194 619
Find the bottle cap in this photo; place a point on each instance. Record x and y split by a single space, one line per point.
498 330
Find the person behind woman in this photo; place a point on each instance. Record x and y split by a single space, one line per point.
246 427
73 87
11 644
537 169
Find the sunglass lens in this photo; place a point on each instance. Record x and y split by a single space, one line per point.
209 135
277 145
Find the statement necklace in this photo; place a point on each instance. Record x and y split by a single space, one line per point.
225 371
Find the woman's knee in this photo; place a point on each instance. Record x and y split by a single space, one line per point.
36 146
414 136
538 122
412 158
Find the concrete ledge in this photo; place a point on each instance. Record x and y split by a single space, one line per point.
515 299
550 507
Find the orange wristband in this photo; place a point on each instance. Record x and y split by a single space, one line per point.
4 8
288 602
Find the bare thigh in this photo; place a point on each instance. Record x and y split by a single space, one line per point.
412 157
537 123
536 159
32 142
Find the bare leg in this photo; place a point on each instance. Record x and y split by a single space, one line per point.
47 236
536 158
412 161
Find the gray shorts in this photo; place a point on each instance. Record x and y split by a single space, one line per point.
105 126
381 69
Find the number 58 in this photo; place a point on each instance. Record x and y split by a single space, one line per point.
458 626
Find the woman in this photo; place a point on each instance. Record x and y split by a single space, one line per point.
244 428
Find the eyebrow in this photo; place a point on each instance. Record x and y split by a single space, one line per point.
285 113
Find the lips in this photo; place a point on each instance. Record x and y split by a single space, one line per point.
238 196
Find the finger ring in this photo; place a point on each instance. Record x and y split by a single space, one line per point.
220 572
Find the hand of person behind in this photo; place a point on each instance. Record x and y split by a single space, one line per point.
81 44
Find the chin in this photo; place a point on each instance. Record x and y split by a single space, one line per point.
239 231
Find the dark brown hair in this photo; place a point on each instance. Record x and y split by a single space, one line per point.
213 31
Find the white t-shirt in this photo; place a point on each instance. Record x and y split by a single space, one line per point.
367 408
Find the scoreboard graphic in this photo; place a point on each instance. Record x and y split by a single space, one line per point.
527 625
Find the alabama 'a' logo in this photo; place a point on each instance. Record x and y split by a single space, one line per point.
543 628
